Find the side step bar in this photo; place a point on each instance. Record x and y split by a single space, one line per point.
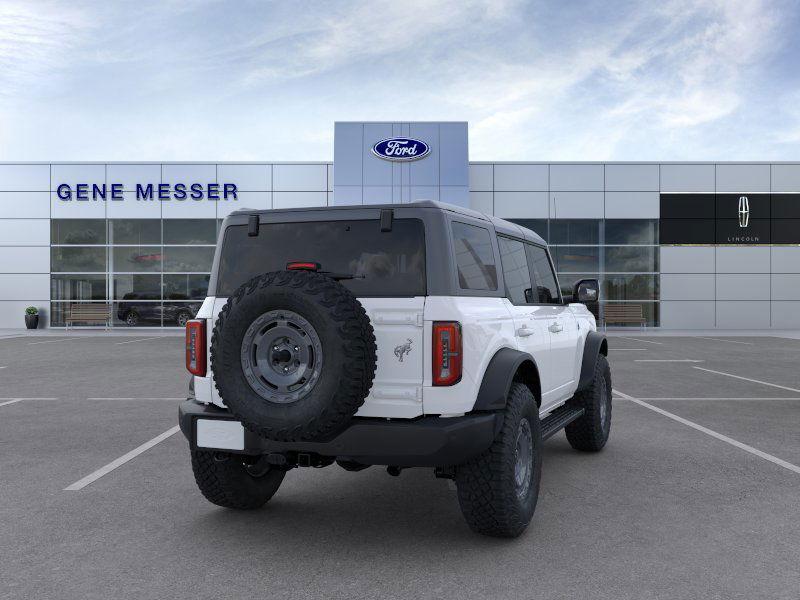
558 419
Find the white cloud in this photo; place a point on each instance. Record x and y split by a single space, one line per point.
35 41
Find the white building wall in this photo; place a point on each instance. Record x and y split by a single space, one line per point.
700 286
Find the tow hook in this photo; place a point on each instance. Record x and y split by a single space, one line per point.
393 470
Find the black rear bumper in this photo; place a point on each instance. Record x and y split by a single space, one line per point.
423 442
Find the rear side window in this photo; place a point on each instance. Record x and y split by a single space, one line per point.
515 270
544 279
390 263
474 257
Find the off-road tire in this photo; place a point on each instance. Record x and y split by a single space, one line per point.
487 492
224 480
348 350
589 433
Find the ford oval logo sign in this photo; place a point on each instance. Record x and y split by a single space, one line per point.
401 149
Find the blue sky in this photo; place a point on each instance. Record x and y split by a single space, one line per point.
560 80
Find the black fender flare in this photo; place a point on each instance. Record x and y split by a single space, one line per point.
595 345
499 375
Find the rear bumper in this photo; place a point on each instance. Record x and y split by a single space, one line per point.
423 442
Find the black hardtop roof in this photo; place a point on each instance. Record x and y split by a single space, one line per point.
500 225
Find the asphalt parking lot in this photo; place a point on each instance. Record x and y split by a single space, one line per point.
697 494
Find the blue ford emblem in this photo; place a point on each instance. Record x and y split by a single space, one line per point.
400 148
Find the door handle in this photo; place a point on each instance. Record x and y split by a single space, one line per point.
555 327
524 331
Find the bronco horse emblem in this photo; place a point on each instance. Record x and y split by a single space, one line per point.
403 349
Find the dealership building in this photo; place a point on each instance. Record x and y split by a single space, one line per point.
676 245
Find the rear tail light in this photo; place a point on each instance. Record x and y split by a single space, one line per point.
447 354
196 347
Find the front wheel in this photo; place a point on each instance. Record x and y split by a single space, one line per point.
229 480
132 318
498 489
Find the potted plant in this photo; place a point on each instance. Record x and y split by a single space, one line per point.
31 317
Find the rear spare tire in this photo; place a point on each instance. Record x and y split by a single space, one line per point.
293 355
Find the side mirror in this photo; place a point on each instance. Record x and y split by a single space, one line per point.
586 291
529 295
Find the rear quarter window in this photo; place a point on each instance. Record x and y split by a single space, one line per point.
385 264
474 257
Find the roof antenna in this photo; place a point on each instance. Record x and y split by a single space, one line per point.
387 215
252 226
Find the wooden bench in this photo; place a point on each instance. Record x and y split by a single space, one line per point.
624 314
88 312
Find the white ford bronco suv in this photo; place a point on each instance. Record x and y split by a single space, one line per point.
413 335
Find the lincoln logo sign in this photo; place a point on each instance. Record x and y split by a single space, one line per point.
744 211
401 149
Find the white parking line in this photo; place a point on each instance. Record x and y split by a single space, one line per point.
726 399
70 339
5 401
680 360
641 340
92 477
775 385
141 340
628 349
714 434
151 398
700 337
4 367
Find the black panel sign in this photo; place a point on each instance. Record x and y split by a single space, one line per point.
730 219
786 206
687 206
731 231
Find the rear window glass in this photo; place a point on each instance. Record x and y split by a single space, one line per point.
390 263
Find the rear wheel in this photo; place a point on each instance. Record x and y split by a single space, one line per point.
132 318
590 432
498 489
233 481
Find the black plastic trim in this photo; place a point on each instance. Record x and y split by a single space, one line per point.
498 378
596 343
423 442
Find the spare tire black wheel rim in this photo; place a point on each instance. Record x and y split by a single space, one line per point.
523 463
281 356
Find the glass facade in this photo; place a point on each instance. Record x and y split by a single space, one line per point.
152 272
622 254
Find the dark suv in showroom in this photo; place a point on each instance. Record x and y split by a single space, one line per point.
134 309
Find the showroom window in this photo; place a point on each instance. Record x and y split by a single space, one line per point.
150 272
621 253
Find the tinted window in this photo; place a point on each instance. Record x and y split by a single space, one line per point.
77 260
631 259
135 231
190 231
515 269
574 231
474 257
181 259
544 279
631 231
78 231
390 263
576 259
136 259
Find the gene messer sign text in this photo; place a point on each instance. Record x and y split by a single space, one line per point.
148 191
